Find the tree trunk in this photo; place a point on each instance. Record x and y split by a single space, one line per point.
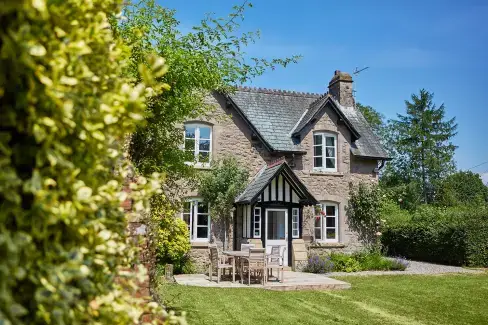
225 235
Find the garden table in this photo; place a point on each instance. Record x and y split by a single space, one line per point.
238 255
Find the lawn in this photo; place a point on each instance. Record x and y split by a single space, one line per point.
400 299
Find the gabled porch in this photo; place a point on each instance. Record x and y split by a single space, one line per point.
270 211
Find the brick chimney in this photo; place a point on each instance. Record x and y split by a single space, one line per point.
340 87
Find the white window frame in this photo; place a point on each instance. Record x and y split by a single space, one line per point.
196 149
194 220
323 223
257 224
295 220
324 147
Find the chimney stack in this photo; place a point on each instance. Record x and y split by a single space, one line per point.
340 87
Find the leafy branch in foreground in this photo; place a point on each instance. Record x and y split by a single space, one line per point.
65 110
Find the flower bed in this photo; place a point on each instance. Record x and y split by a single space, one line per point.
361 261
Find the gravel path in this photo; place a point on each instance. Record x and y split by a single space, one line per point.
413 268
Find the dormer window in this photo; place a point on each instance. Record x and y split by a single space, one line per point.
325 151
198 143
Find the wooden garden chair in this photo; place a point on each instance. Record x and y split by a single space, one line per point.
256 261
220 262
246 247
276 260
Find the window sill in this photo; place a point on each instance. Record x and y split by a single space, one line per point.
326 173
324 244
198 165
199 244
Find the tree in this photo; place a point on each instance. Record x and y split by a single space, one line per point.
220 187
374 118
460 188
422 141
66 108
209 58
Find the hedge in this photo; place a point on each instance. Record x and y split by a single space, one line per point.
65 108
454 242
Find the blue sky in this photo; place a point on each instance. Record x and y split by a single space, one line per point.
438 45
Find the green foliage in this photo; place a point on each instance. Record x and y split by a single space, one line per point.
422 143
210 57
462 188
345 263
169 234
392 214
457 236
220 187
375 261
375 119
407 195
66 109
365 261
364 213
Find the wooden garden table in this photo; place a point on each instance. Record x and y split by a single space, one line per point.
238 255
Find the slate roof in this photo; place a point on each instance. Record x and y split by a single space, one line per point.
273 113
266 175
277 115
316 107
260 181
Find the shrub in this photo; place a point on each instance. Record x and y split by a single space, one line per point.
456 236
399 264
169 235
187 266
65 110
319 264
360 261
375 261
364 213
392 214
220 186
345 263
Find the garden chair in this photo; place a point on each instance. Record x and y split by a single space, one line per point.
221 263
246 247
276 260
256 261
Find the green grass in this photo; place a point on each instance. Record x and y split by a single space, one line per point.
400 299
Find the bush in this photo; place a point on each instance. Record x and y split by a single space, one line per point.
456 236
319 264
375 261
393 214
345 263
364 213
170 235
361 261
65 110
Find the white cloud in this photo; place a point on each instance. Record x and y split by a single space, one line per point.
484 177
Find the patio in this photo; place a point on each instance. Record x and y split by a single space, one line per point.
293 281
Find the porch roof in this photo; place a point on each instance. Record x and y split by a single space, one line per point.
266 176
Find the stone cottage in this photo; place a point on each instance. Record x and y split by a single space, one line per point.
302 151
